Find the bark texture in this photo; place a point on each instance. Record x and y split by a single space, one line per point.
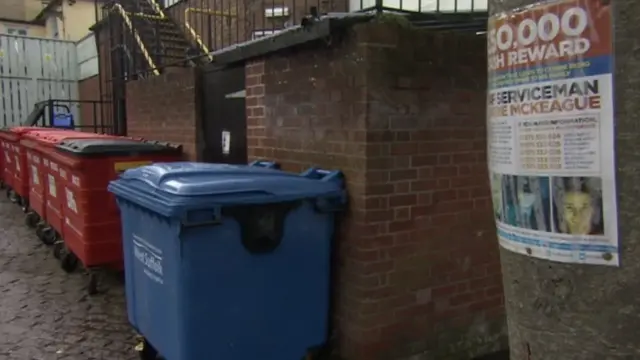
581 312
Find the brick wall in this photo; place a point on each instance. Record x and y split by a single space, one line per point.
163 108
402 112
93 117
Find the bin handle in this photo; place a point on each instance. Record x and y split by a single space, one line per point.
323 174
215 219
265 164
331 205
197 224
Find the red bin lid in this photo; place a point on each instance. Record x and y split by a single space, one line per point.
23 129
117 146
56 137
42 132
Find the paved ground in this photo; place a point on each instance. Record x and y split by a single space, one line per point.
45 313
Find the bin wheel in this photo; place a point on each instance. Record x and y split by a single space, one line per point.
58 249
32 219
41 228
49 236
24 204
92 284
68 262
147 351
14 198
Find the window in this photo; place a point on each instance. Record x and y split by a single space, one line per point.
276 12
21 32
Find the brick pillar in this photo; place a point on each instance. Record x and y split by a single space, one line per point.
402 113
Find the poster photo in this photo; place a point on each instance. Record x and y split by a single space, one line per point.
550 124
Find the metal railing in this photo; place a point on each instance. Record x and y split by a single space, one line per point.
117 8
187 32
427 7
82 115
157 8
223 23
192 31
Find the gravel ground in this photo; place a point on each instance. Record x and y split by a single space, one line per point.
46 313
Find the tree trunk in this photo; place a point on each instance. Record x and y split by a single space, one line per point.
560 311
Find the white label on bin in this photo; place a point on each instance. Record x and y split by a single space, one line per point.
46 163
63 174
34 175
52 186
71 201
6 155
54 166
75 180
226 142
150 257
17 163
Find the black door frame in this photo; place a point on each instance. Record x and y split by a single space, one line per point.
207 123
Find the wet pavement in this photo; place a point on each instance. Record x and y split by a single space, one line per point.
46 313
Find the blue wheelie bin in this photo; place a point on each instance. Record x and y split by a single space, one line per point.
228 262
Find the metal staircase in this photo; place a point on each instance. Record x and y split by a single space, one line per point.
154 39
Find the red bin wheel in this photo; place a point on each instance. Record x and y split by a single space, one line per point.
47 236
68 262
58 249
32 219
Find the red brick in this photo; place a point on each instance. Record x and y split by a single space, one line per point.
418 194
94 116
403 200
172 121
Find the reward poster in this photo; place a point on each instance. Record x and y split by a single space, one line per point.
551 131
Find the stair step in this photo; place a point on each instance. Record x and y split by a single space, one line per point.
161 31
171 55
153 38
159 34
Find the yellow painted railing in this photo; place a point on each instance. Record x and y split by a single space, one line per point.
146 16
143 49
157 8
161 16
193 32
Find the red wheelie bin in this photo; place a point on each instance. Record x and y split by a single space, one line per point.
91 232
14 161
42 186
2 184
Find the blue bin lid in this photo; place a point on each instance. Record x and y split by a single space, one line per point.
171 189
